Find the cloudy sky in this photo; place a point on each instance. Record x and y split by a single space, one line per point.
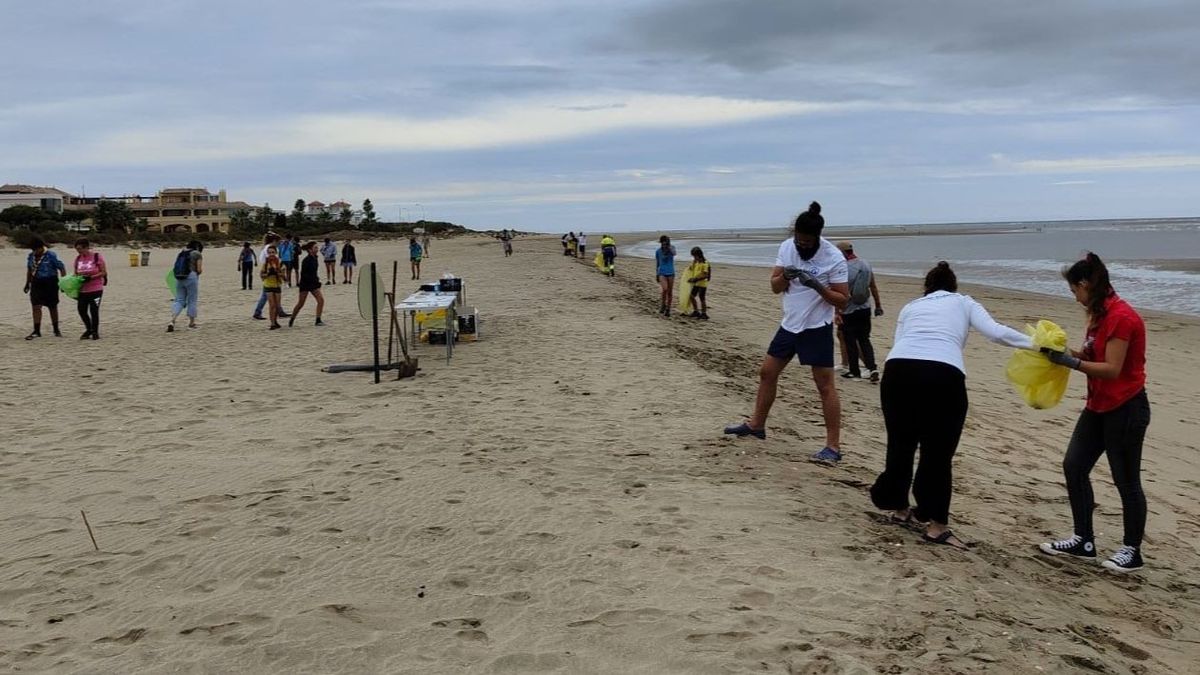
622 114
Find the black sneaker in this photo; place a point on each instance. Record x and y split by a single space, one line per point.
851 376
1126 559
1075 545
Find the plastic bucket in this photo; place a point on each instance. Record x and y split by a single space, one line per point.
134 258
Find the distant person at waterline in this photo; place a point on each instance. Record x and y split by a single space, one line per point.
855 317
329 254
664 273
349 260
810 273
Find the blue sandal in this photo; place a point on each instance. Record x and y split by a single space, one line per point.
744 429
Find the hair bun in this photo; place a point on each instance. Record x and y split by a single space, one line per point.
942 264
814 208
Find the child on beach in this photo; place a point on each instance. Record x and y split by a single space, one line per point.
1114 419
329 254
309 283
272 283
414 257
698 275
664 273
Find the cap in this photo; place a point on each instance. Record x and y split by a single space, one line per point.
845 245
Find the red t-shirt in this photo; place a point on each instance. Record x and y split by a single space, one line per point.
1120 322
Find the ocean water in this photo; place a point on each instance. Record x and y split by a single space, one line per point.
1154 264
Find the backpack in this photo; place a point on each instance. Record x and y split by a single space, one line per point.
860 286
183 264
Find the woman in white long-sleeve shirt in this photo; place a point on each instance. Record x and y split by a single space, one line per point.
924 398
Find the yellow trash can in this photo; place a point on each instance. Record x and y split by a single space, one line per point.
134 258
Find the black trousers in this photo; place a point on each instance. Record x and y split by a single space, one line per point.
856 331
89 310
247 276
1119 434
924 405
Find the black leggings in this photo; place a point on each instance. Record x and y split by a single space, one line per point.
1118 434
247 276
924 404
89 310
856 331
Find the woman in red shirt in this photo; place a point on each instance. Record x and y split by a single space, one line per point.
1115 418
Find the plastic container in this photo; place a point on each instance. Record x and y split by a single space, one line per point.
134 258
145 258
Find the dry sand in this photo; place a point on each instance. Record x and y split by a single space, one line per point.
559 498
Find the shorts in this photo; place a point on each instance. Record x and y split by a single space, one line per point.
272 290
700 292
812 347
330 261
348 264
43 292
292 264
415 259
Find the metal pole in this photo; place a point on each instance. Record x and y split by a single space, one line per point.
375 318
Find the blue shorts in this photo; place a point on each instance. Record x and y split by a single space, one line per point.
813 347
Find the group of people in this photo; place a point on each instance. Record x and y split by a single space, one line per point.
276 272
698 273
43 269
923 386
574 245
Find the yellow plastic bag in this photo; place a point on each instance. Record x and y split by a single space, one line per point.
1040 382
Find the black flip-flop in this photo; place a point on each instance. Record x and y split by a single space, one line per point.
909 522
944 538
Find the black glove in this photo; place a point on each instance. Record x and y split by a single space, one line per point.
790 272
26 288
1061 358
878 311
809 280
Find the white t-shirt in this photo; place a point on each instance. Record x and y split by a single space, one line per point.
262 255
934 328
804 308
583 240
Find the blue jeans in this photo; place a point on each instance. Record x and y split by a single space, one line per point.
187 294
262 302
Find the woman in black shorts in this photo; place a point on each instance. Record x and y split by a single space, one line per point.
310 282
42 271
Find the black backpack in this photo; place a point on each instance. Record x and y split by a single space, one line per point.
183 264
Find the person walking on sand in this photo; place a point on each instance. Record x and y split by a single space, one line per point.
246 262
698 275
90 265
271 240
608 252
42 271
309 283
329 255
348 262
924 398
506 243
664 274
289 255
1114 419
189 265
582 246
414 257
855 318
810 273
272 283
425 244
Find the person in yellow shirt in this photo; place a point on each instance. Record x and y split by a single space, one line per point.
608 251
272 283
698 274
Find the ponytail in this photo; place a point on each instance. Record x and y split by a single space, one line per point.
1093 271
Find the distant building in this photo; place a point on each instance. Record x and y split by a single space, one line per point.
337 208
177 209
314 209
45 198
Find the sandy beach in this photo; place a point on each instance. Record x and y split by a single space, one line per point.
557 498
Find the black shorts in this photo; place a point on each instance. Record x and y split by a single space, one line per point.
273 290
292 264
43 292
700 292
812 347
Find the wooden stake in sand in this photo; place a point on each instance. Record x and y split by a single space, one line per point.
89 529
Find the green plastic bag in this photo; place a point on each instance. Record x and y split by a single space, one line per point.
1040 382
70 285
172 282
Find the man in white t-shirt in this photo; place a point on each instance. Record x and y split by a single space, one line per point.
810 272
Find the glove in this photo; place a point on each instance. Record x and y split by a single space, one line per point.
878 311
790 272
26 289
809 280
1061 358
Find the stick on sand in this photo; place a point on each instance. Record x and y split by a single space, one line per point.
89 529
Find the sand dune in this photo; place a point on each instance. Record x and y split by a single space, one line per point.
557 498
